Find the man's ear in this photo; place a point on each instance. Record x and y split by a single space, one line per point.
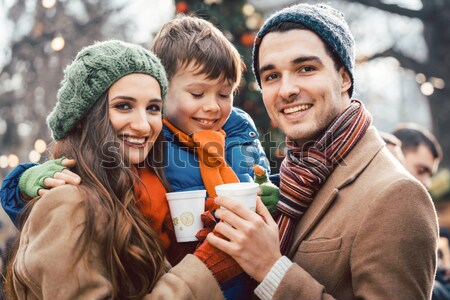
346 81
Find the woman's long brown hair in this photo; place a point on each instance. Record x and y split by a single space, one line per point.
132 251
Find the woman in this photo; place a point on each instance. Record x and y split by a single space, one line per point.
91 241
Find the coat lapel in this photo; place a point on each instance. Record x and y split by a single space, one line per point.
355 162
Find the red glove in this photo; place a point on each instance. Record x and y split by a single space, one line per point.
210 204
209 222
223 266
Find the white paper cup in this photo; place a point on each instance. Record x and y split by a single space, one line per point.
185 209
243 192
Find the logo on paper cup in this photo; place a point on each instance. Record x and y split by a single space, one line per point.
187 218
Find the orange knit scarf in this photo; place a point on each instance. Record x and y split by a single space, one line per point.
152 203
210 148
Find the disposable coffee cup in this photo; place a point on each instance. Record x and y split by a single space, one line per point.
185 209
242 192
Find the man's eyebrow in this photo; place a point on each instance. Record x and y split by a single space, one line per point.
266 68
296 61
303 59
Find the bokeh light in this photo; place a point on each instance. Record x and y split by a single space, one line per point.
24 129
13 160
48 3
40 146
427 88
34 156
438 83
58 43
253 22
248 10
420 78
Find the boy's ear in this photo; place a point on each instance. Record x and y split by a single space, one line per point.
346 81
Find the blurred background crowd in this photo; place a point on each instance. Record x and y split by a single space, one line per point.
402 72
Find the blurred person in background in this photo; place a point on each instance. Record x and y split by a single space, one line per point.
421 149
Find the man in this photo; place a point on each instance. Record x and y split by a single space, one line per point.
352 224
421 150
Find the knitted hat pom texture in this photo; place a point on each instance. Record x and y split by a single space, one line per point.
92 72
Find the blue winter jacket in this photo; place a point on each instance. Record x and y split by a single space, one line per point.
10 194
242 151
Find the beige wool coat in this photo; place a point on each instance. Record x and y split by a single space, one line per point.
370 233
45 266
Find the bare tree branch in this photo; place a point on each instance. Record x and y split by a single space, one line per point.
407 62
392 8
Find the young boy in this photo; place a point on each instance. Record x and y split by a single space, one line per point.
204 71
209 141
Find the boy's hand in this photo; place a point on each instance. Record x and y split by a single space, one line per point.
269 194
223 266
209 222
39 179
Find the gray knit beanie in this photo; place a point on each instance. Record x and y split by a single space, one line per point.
328 23
93 71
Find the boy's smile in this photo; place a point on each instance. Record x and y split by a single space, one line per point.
195 102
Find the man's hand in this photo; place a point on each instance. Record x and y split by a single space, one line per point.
253 237
40 179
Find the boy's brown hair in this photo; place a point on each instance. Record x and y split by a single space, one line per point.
188 39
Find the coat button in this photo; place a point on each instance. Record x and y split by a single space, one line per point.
252 134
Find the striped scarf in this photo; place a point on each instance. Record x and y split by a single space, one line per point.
305 169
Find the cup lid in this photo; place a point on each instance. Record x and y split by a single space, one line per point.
186 194
240 187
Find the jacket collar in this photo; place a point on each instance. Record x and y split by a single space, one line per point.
353 165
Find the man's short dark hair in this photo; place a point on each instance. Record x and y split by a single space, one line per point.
390 139
413 135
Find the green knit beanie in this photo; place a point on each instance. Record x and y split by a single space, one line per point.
328 23
93 71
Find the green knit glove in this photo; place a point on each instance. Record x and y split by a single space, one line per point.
33 179
270 192
270 195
